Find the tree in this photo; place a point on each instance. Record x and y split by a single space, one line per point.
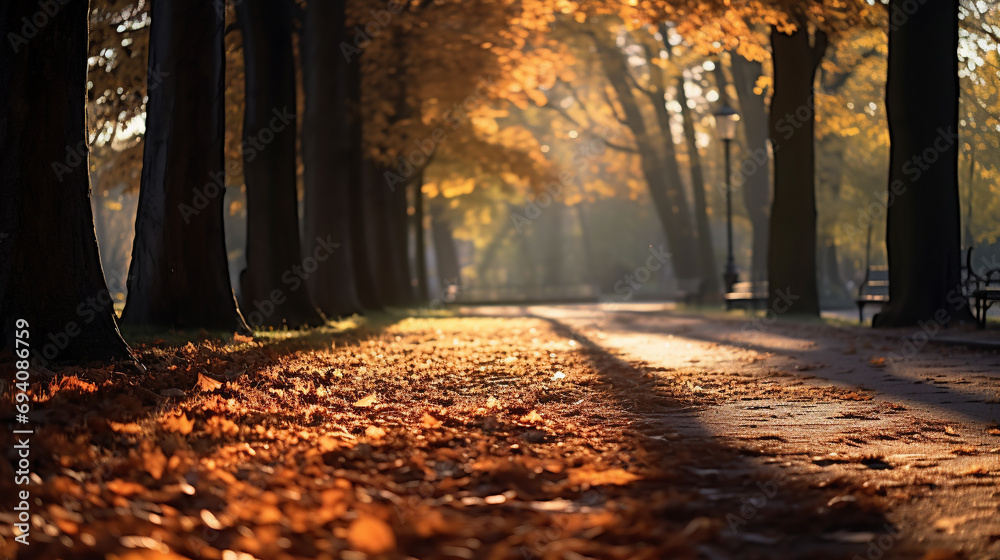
756 185
50 269
327 154
923 224
179 272
272 285
792 239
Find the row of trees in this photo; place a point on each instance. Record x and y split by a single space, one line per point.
386 93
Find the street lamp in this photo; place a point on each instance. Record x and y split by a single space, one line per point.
726 119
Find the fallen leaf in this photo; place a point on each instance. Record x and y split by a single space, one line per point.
371 535
177 423
593 477
367 401
429 421
154 462
374 432
531 417
207 384
125 487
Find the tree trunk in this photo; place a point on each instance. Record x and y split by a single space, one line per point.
50 268
445 251
179 273
327 155
710 285
272 285
922 222
792 250
755 170
665 187
423 293
403 280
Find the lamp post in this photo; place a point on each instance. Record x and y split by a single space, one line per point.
726 119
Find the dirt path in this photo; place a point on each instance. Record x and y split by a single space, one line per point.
919 428
515 436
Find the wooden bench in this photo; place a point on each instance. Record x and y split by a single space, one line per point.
874 289
747 295
984 289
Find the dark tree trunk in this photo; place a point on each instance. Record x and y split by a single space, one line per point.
665 187
179 273
755 170
362 239
445 251
922 223
400 221
327 155
710 285
792 251
382 229
272 285
50 269
423 292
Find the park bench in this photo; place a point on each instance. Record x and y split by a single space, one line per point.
984 289
747 295
874 289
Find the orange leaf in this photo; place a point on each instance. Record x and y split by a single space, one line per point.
371 535
154 462
597 478
207 384
532 417
178 423
367 401
125 487
375 432
429 421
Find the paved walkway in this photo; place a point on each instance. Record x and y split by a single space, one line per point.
917 420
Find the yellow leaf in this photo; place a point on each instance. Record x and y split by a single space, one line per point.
371 535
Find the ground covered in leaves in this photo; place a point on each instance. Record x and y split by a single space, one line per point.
474 437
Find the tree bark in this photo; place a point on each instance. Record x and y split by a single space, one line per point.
445 251
423 292
755 169
710 285
179 273
923 222
50 268
327 154
792 240
272 284
665 187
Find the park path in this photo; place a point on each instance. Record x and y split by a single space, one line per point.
921 430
